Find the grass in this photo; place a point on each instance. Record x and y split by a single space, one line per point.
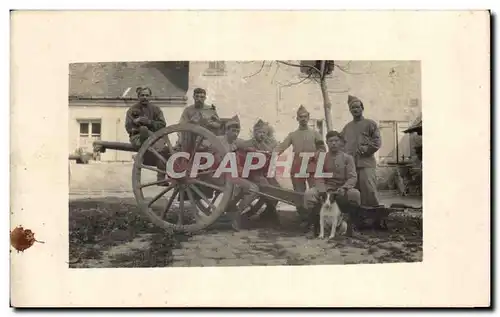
96 225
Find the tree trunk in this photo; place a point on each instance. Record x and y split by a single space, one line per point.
327 105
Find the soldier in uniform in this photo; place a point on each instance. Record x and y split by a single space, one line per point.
261 141
303 139
343 180
142 120
362 138
199 113
232 143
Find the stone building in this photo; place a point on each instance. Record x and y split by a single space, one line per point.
100 93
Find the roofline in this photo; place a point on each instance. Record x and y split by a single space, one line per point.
174 98
126 102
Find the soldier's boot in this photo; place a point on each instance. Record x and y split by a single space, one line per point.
270 215
304 218
313 225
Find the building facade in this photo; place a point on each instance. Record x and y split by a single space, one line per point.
100 94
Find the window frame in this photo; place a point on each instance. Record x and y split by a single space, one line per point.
317 125
89 123
216 68
397 126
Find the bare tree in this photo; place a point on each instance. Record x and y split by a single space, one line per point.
318 71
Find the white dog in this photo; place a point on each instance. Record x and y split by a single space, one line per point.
330 215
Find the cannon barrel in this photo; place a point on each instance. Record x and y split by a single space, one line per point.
102 146
81 158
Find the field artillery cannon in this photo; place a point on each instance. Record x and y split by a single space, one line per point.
81 157
208 198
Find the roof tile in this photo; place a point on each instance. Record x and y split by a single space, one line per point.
112 79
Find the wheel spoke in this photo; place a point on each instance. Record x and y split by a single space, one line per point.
168 143
157 154
193 152
169 203
180 213
163 192
195 204
154 169
153 183
202 195
198 143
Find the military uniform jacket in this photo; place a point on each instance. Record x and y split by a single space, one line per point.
364 132
150 111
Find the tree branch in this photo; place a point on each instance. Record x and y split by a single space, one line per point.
344 69
261 67
299 65
298 82
277 68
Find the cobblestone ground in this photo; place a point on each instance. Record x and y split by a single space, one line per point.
271 246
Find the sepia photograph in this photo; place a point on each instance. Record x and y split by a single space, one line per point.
244 163
204 172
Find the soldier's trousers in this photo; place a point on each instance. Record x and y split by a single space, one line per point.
261 179
311 197
138 139
241 184
367 186
300 185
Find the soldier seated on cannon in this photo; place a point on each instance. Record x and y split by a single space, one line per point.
342 178
244 187
262 141
142 120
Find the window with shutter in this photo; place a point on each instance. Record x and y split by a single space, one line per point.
216 68
396 145
388 136
316 125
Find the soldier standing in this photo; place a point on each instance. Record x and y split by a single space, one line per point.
302 140
362 138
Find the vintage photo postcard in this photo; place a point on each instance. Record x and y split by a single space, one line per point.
211 159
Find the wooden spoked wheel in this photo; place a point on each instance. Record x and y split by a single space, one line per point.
166 207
